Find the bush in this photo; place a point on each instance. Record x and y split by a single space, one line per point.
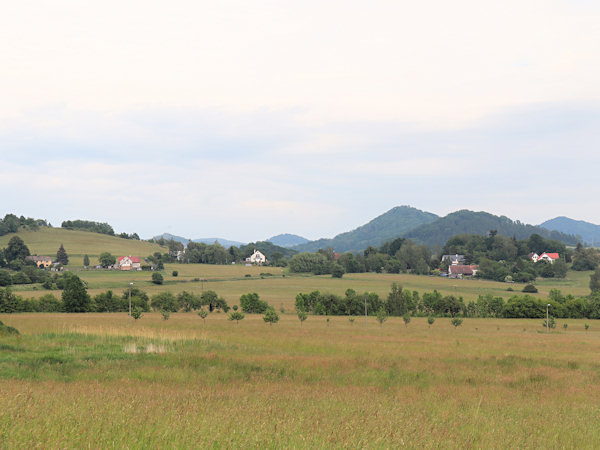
338 271
251 303
157 278
530 289
175 273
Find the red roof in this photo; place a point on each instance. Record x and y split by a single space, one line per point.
550 255
462 269
134 259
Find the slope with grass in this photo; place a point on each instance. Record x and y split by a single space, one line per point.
46 241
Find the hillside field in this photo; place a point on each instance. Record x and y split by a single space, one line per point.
46 241
81 380
280 288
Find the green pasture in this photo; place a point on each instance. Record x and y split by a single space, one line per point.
97 380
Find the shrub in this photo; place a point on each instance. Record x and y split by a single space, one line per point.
251 303
530 289
157 278
271 316
175 273
165 314
430 320
237 316
136 313
456 321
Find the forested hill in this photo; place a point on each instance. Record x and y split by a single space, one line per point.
388 226
589 232
470 222
287 240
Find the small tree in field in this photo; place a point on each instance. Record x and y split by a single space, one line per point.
302 316
456 321
86 260
551 323
565 326
587 326
136 313
406 318
175 273
351 320
165 314
157 278
203 313
61 256
381 316
430 320
271 316
237 316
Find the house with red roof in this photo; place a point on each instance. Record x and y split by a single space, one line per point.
462 270
130 263
549 257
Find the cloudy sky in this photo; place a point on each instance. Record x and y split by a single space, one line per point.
243 120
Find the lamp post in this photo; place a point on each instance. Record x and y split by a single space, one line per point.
547 322
130 284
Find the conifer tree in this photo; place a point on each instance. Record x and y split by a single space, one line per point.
61 256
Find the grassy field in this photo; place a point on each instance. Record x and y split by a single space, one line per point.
94 380
280 291
46 241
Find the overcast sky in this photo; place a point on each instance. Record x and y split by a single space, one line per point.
243 120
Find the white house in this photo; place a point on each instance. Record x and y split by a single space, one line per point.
550 257
257 258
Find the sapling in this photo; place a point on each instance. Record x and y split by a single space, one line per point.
430 320
456 321
381 316
165 314
406 318
203 313
302 316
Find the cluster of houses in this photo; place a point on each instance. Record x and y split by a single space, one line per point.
458 269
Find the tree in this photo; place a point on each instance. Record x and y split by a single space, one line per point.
456 321
302 316
61 256
595 281
251 303
136 312
430 320
271 316
175 273
165 314
16 250
165 301
237 316
351 320
406 319
381 316
551 322
203 314
106 259
86 260
75 297
337 271
157 278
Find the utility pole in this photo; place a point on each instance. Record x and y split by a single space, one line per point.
130 284
365 311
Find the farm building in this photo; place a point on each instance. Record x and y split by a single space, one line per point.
461 270
41 261
130 263
257 258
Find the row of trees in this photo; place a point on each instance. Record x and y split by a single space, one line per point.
11 224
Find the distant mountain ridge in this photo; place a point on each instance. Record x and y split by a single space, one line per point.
224 242
385 227
589 232
287 240
470 222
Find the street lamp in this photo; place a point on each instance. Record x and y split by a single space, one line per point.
547 322
130 284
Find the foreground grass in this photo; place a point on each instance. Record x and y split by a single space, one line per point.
96 380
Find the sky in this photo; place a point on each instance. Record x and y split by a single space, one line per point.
243 120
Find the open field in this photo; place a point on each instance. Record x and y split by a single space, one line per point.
231 282
84 380
46 241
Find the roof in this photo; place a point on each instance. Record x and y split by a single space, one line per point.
462 269
551 255
133 259
36 258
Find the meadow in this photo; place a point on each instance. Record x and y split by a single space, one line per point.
97 380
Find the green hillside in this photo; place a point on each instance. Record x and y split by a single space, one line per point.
470 222
46 241
388 226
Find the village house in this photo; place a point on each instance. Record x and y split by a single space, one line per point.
41 261
548 257
129 263
461 270
257 258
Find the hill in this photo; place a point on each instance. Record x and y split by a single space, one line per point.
46 241
388 226
589 232
470 222
224 242
287 240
